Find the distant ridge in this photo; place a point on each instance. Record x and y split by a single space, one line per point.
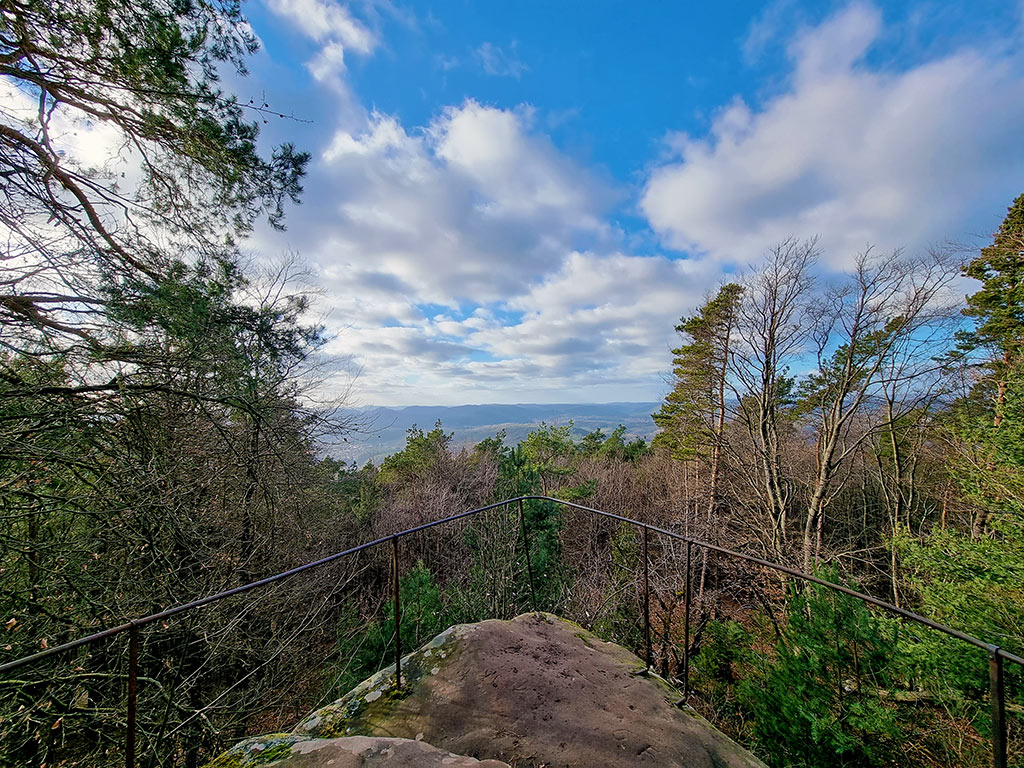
383 429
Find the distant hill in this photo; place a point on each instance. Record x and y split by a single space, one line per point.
383 430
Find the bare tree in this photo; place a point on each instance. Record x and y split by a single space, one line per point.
875 338
772 330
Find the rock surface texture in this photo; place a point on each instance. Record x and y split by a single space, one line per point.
534 691
349 752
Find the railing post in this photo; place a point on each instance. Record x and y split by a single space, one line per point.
997 696
686 625
647 600
526 549
133 695
396 589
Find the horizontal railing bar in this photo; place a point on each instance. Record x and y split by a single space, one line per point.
453 518
910 615
916 617
88 639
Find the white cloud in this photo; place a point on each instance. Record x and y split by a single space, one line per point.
599 327
466 210
501 62
331 25
477 214
765 29
328 63
468 260
325 20
612 313
854 153
520 172
832 48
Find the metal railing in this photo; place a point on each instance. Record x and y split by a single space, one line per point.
996 655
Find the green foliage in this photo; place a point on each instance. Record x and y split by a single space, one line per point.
544 524
354 492
815 701
612 446
547 443
550 452
592 442
998 307
839 374
520 475
152 448
816 695
974 580
620 615
989 467
686 419
423 612
725 656
492 448
725 644
974 585
577 493
421 452
202 180
365 647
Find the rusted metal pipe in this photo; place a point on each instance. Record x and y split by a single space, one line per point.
111 631
526 549
396 591
997 700
647 600
133 696
686 626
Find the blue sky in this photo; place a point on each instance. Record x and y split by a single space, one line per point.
515 202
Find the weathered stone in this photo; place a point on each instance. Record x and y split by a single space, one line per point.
294 751
534 691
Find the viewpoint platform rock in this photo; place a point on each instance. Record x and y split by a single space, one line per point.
533 691
348 752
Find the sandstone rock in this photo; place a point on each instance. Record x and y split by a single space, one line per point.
348 752
534 691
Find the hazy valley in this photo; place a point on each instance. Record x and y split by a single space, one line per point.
381 431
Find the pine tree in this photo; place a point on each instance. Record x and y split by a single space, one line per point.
691 417
998 307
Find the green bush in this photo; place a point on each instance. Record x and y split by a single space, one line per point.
816 694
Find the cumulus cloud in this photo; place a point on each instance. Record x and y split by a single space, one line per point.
611 313
331 25
324 20
600 324
435 246
469 260
468 209
856 153
520 173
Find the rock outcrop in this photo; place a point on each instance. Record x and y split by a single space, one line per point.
348 752
534 691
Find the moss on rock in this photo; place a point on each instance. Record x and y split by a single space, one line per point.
257 751
365 708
